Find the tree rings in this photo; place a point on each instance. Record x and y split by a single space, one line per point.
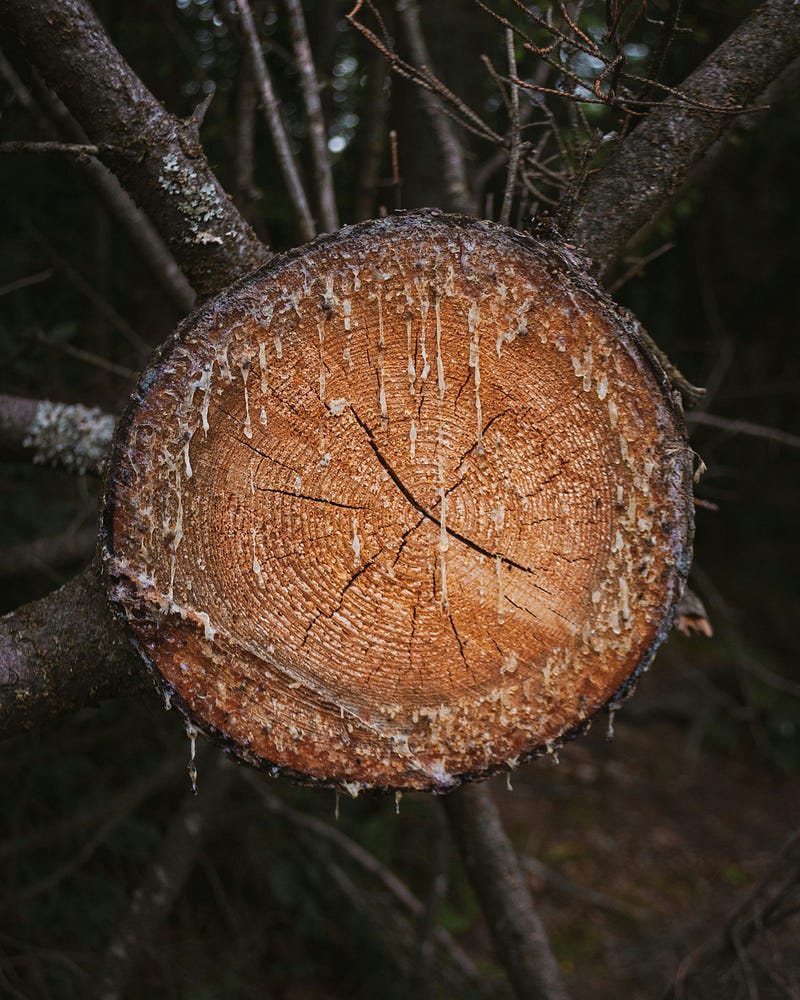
404 507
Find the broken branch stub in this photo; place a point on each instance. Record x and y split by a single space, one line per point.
406 506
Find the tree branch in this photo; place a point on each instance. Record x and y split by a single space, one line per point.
68 436
654 160
63 653
54 121
459 196
323 176
157 158
272 113
494 870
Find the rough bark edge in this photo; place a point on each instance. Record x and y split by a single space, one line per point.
654 160
576 268
157 157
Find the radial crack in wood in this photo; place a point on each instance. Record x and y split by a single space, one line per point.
402 508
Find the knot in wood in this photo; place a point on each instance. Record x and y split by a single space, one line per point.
406 506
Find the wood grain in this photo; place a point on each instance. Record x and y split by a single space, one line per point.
404 507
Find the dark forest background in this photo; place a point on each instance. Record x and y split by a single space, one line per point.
636 849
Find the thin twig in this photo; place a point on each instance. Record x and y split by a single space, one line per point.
745 427
286 158
70 148
86 289
31 279
513 159
323 176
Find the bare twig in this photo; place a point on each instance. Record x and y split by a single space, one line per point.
774 900
286 158
85 288
26 282
88 357
514 155
652 162
143 235
745 427
567 887
323 175
397 184
519 935
70 148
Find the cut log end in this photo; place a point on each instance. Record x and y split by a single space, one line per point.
405 507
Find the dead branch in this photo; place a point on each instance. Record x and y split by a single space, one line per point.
63 653
451 106
774 901
459 196
157 158
652 162
323 176
272 113
491 862
67 436
152 250
745 427
70 148
514 155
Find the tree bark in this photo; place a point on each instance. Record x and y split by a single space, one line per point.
494 869
157 157
63 653
654 160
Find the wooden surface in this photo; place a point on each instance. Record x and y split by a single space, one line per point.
402 508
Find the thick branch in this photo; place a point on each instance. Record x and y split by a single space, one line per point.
157 158
656 158
63 653
494 870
